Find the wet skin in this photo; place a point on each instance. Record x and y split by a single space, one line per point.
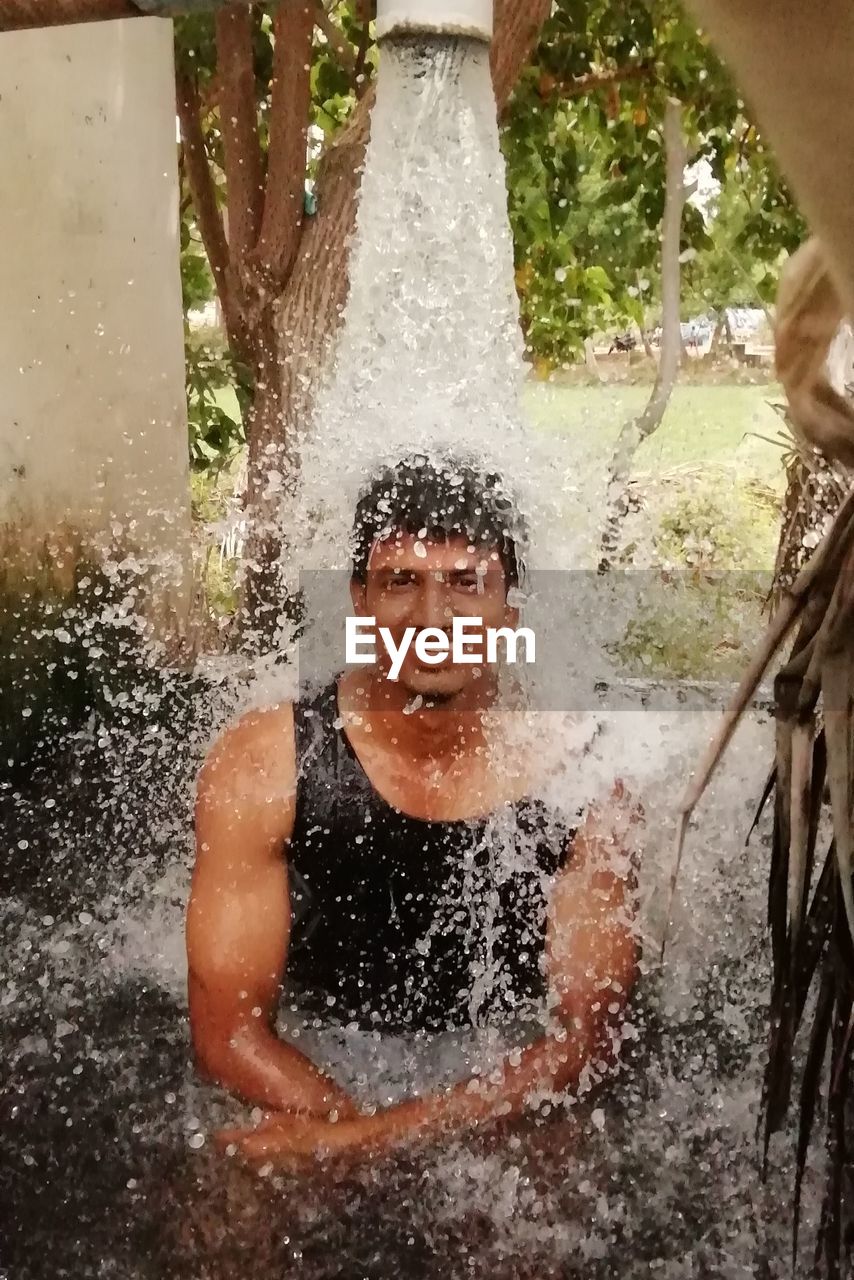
439 762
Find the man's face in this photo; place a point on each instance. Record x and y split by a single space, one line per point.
414 582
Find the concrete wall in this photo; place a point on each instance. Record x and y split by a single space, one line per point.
93 436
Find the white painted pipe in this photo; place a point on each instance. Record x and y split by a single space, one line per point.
435 17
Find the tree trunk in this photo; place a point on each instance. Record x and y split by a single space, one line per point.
722 337
262 600
517 27
252 245
310 309
636 430
645 342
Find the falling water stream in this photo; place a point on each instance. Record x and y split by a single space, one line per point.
107 1164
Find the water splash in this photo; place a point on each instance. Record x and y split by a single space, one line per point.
106 1126
430 358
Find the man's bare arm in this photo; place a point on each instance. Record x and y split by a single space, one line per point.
238 922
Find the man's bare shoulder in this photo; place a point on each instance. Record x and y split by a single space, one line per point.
256 754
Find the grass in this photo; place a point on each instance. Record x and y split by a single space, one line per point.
703 424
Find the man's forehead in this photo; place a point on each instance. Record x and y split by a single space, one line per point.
401 549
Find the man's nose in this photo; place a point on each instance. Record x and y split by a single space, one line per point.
434 607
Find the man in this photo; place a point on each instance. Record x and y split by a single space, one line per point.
377 855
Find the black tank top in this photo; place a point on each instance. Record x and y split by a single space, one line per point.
404 924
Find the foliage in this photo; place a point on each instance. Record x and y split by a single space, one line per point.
333 89
216 431
213 502
705 532
693 630
214 434
585 161
753 225
74 650
714 544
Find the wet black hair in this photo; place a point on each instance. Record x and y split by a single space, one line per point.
447 499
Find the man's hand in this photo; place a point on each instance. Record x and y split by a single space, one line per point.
288 1139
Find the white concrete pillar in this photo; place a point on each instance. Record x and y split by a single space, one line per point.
93 432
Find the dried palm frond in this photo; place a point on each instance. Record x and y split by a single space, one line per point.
810 917
810 898
815 489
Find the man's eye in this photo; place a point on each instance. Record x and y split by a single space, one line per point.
468 582
399 580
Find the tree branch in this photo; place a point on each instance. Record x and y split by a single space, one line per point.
335 38
517 29
208 215
580 86
361 77
209 96
284 200
239 126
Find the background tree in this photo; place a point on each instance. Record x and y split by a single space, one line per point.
752 225
600 198
587 164
584 142
618 116
636 430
